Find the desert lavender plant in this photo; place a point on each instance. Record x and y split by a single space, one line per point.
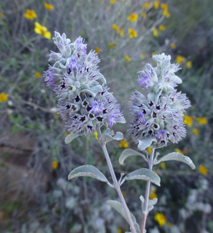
86 106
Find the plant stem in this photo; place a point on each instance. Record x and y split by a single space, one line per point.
118 188
146 201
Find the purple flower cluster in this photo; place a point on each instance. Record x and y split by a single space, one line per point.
158 113
83 98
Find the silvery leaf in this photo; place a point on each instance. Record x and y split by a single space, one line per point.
143 174
89 171
128 153
145 143
70 137
151 203
108 136
120 209
177 157
96 89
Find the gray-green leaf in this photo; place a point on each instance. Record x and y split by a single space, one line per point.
70 137
108 136
120 209
143 174
145 143
177 157
89 171
151 203
128 153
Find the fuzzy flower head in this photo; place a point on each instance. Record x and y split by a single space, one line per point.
84 100
157 111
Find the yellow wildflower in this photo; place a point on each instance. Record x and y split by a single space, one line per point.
3 97
54 165
189 64
132 33
81 33
165 12
173 46
124 144
30 14
147 5
115 27
97 50
195 131
1 15
68 133
188 120
37 74
127 58
163 165
156 4
112 1
149 149
133 17
112 46
202 120
119 230
164 6
153 194
160 218
203 170
96 135
48 6
162 27
39 29
180 59
170 224
155 32
179 151
121 32
142 56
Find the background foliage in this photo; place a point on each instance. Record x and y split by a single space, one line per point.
35 195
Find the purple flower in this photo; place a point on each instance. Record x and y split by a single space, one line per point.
141 118
96 108
49 79
144 81
81 45
112 120
73 65
161 135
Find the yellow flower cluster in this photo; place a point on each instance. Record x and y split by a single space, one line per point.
54 165
133 17
96 135
153 193
127 58
203 170
3 97
42 30
48 6
124 144
30 14
120 31
132 33
97 50
112 1
160 218
165 12
37 74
